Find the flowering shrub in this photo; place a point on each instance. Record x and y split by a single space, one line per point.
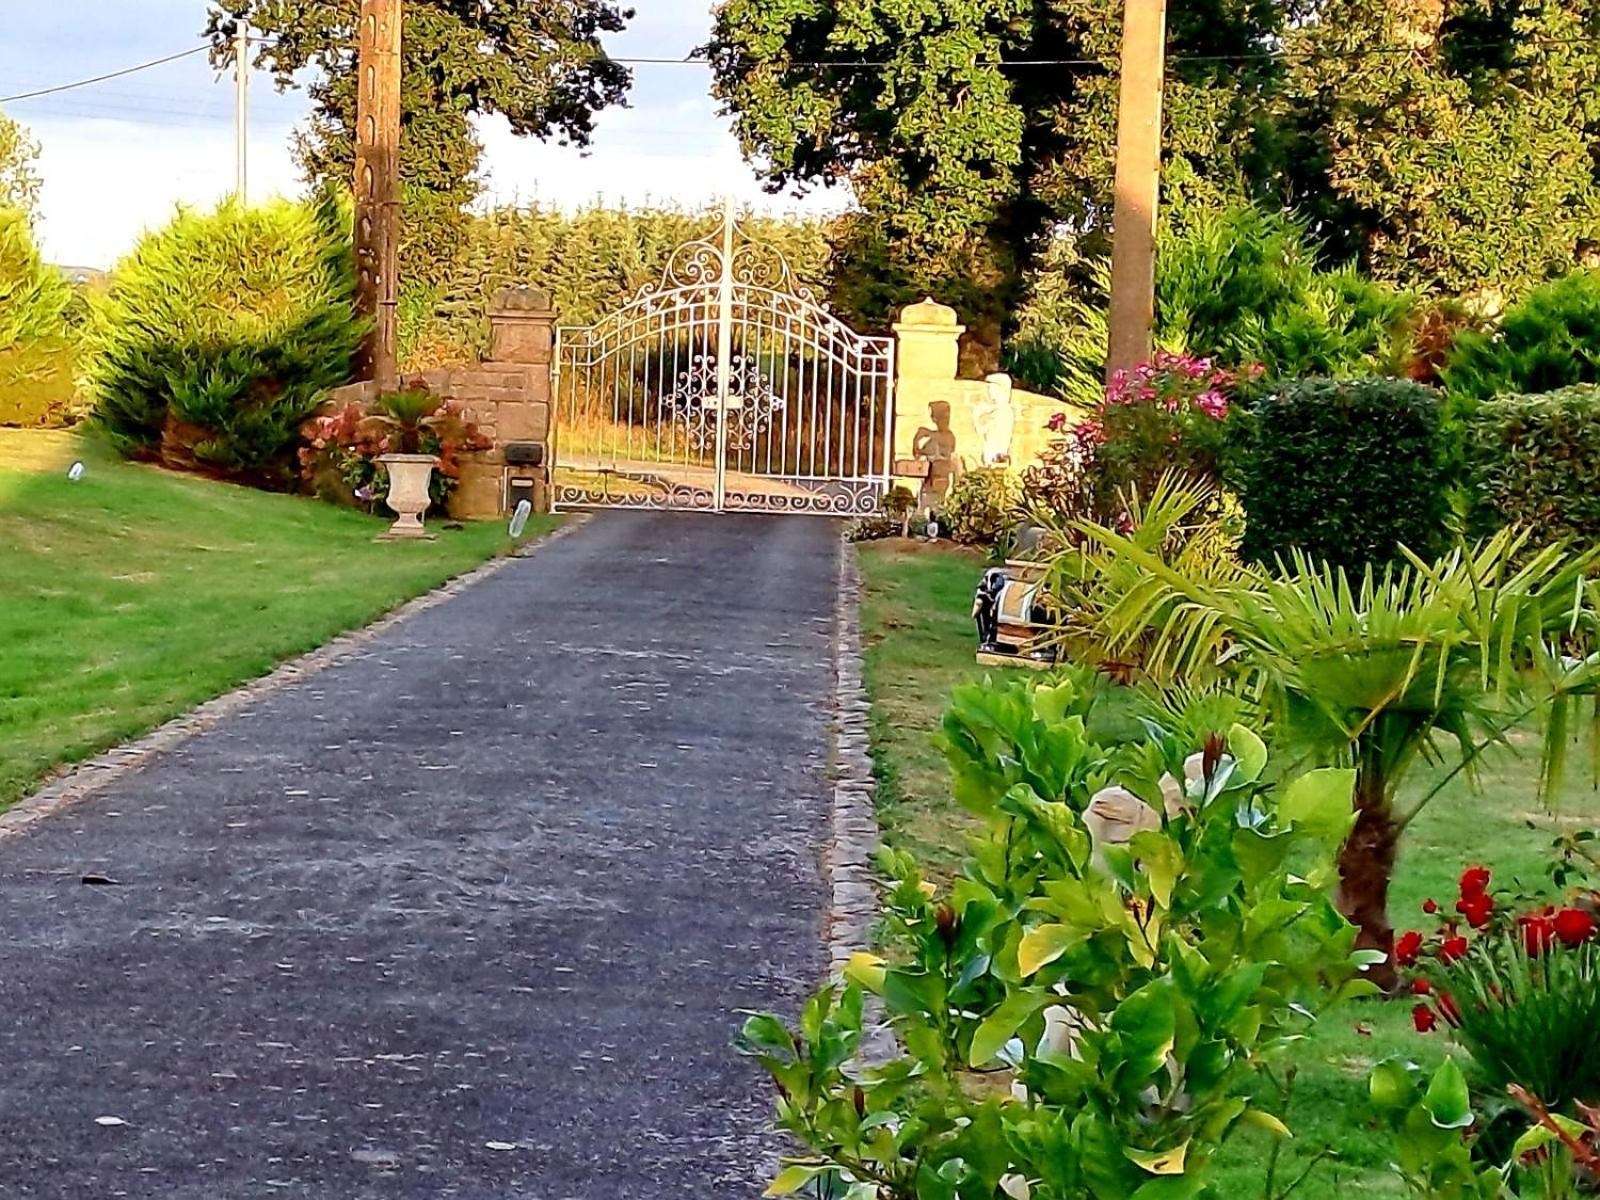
1167 414
1130 988
1519 989
339 457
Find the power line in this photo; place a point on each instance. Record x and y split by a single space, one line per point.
694 60
81 83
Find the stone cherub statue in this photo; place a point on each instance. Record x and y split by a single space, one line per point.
995 418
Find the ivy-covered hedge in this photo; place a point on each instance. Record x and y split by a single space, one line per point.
1346 470
1535 461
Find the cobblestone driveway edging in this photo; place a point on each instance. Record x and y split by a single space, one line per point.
854 908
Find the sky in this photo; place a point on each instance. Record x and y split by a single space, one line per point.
117 157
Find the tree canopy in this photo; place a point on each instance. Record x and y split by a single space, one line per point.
19 176
540 66
969 129
1440 145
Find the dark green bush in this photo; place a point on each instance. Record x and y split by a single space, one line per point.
1535 461
1549 340
221 333
1245 287
1345 470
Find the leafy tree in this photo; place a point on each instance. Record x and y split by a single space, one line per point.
1448 144
963 148
540 66
19 176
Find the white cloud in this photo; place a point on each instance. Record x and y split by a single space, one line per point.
117 158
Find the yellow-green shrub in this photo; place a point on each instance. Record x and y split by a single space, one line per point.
34 298
222 332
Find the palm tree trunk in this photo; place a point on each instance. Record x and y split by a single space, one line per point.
1366 865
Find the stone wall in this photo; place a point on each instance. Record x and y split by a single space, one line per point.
507 396
939 413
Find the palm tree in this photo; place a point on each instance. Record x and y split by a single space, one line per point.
1427 661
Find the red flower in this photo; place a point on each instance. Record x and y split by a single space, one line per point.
1474 882
1430 906
1420 986
1452 949
1422 1017
1406 948
1573 926
1538 933
1476 908
1448 1009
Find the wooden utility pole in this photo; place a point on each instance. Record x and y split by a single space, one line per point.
1133 248
378 186
241 111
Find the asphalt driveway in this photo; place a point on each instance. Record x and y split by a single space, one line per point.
468 914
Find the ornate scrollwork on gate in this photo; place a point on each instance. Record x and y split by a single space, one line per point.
752 402
703 263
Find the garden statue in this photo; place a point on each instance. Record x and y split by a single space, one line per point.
995 417
986 609
937 448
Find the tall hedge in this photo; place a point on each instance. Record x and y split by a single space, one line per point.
221 332
1345 470
1535 461
34 299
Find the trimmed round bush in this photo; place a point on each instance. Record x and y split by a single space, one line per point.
1534 461
1344 470
222 332
1548 340
34 299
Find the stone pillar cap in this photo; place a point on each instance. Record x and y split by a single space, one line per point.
929 314
522 300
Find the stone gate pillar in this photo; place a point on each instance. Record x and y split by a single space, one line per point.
931 424
509 396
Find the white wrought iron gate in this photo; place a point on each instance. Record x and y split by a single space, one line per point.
725 387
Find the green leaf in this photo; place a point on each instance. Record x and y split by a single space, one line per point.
792 1178
1318 803
999 1026
1171 1187
1265 1120
1249 753
1159 1162
865 970
1392 1087
1043 944
1147 1023
1448 1102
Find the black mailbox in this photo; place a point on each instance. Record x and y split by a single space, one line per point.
524 454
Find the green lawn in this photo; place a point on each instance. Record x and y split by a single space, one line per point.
919 644
133 594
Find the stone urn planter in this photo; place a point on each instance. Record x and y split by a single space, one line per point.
409 476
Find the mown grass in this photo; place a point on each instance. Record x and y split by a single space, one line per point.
919 643
134 594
